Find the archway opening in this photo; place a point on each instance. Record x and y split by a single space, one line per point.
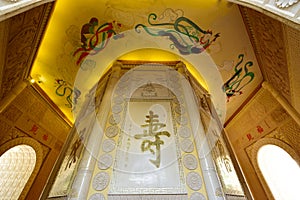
280 171
16 166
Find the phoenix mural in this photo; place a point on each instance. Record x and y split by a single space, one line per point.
197 40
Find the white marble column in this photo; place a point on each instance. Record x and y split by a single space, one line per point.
86 167
211 178
212 183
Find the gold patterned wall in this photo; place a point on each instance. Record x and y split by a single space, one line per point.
263 118
20 37
29 117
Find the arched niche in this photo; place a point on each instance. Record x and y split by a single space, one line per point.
263 168
139 86
29 143
201 64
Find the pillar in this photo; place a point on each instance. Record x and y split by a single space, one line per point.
86 167
282 101
210 176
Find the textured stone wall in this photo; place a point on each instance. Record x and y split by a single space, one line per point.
29 116
262 119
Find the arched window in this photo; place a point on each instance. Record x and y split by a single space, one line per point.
16 166
280 171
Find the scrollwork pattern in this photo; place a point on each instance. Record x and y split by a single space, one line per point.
285 3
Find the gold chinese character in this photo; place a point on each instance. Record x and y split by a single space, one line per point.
154 126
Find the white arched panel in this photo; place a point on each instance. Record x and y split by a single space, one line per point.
16 166
280 170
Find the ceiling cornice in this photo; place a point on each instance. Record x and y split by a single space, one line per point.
14 8
287 11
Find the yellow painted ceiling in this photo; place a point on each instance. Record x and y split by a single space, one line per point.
55 67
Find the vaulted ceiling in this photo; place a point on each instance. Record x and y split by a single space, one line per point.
237 48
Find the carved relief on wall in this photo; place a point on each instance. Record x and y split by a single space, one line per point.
291 131
8 132
72 155
194 181
286 11
293 49
268 37
25 34
285 3
12 113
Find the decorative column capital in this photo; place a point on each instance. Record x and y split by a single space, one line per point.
181 68
117 65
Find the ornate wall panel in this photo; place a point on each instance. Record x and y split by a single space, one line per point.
128 153
261 119
10 8
292 39
291 131
29 116
25 32
33 116
268 39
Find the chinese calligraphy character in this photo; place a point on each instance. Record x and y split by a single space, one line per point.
259 129
45 137
34 129
154 127
250 137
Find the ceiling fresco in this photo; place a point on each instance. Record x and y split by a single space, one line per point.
83 39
